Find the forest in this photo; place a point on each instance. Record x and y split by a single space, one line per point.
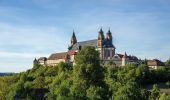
88 79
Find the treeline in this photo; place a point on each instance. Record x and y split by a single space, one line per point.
6 74
86 80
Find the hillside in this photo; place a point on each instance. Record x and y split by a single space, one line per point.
87 80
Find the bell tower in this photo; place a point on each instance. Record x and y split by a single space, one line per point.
109 36
100 41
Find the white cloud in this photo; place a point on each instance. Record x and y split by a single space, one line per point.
20 44
37 37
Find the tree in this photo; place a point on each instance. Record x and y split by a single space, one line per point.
94 93
142 72
88 66
4 88
155 92
167 63
86 73
62 91
17 89
130 91
145 94
163 96
60 85
110 69
39 82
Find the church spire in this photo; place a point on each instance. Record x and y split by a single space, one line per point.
109 35
73 39
101 35
125 55
35 62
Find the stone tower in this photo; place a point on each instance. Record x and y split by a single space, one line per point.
73 39
108 47
124 58
109 36
100 41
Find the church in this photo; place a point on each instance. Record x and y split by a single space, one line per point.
103 44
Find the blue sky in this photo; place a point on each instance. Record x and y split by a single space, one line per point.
34 28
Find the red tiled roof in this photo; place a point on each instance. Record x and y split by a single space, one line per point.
120 55
132 57
71 52
57 56
62 55
129 57
155 62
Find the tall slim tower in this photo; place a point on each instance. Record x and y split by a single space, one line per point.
109 36
100 41
124 58
73 39
35 62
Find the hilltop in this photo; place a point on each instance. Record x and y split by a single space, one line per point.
88 79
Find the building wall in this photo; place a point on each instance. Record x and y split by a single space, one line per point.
72 57
54 62
108 53
42 62
100 52
124 61
153 67
118 62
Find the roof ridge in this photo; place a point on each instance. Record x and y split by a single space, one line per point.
87 40
58 52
